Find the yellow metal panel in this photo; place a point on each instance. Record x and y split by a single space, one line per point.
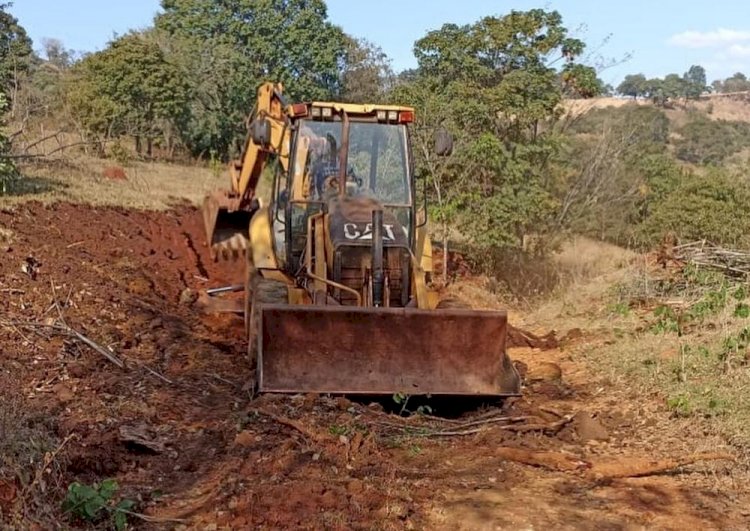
261 241
320 254
424 250
298 296
419 285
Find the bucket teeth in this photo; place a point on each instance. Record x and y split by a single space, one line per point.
234 248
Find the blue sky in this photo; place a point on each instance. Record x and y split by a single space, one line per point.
663 36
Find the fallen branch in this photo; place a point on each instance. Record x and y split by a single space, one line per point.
548 429
153 519
549 460
67 331
290 423
638 468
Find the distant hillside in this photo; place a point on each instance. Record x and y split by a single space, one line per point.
732 107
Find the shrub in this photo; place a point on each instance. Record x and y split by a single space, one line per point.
711 142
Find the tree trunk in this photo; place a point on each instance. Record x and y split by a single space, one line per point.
445 253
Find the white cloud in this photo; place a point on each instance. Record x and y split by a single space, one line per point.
709 39
739 51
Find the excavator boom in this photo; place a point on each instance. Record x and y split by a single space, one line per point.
227 213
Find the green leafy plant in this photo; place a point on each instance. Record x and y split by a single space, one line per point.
666 320
735 344
621 308
742 310
338 430
402 400
740 293
680 405
91 503
712 302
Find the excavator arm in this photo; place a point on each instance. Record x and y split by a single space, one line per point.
227 213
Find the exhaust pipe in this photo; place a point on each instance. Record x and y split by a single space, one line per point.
378 276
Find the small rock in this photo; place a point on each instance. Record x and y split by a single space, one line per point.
343 403
329 500
355 486
573 334
188 297
545 372
246 439
64 393
588 428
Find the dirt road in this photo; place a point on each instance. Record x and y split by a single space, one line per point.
178 431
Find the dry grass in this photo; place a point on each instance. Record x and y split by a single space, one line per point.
26 439
701 374
153 186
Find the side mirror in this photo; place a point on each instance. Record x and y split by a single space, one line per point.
443 143
260 132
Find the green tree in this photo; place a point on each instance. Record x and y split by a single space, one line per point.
503 91
737 83
710 206
695 82
581 81
654 90
8 170
445 178
16 53
226 49
674 86
633 85
127 89
367 75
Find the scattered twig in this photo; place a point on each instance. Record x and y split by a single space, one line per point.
290 423
49 458
13 291
157 374
153 519
224 380
548 429
69 332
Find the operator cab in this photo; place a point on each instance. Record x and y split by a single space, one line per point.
372 144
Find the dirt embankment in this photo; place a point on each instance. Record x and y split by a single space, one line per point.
178 431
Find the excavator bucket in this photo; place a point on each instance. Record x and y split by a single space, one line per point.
374 351
226 227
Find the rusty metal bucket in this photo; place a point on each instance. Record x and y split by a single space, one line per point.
371 351
226 225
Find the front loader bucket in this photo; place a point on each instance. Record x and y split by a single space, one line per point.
226 228
372 351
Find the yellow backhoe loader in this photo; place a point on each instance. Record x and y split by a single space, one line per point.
337 296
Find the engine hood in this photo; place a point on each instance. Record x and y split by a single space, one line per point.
350 223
